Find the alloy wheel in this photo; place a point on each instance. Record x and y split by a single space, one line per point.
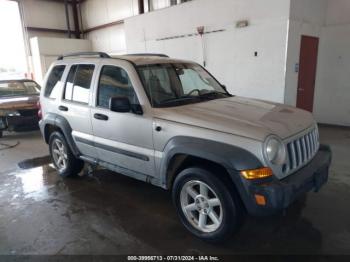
59 154
201 206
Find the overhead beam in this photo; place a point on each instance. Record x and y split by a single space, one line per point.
119 22
46 30
69 1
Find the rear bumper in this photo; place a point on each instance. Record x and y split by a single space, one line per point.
22 123
279 194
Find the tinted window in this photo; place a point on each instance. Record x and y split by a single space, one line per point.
55 76
114 81
78 83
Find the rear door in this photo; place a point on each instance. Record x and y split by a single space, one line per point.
51 93
74 106
122 139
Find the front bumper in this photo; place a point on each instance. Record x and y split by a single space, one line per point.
279 194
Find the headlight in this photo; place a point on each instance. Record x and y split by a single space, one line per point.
274 150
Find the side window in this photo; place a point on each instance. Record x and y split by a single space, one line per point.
78 83
114 81
68 91
52 90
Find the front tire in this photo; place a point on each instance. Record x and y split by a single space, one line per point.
205 205
63 159
1 134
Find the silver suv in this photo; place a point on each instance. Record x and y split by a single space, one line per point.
172 124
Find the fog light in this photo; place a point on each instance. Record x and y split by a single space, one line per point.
257 173
260 200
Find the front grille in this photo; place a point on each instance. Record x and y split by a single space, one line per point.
301 150
28 112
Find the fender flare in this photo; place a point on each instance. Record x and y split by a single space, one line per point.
63 124
228 156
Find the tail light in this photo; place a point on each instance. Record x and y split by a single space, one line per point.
40 114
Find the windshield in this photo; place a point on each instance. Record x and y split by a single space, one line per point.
19 88
178 84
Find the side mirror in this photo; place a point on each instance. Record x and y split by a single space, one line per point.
120 104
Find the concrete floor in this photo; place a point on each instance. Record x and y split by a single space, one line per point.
111 214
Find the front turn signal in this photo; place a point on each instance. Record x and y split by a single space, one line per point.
257 173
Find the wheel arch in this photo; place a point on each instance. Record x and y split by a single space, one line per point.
182 152
54 122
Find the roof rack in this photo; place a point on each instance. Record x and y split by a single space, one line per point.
148 54
100 54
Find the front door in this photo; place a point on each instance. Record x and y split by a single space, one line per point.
122 139
307 72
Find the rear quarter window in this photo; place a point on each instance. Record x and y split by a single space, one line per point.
52 90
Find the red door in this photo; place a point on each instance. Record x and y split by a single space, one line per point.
307 72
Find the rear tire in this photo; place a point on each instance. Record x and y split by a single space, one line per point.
1 134
65 162
206 206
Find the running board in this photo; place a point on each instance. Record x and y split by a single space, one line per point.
123 171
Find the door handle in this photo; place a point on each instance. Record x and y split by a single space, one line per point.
101 117
301 89
63 108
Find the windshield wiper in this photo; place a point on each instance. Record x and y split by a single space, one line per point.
211 95
179 99
206 96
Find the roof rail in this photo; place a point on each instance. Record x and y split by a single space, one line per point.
100 54
147 54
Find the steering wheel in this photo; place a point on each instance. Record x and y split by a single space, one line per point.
194 90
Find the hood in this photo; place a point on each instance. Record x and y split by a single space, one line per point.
245 117
18 102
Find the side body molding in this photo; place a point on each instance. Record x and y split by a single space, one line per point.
228 156
61 123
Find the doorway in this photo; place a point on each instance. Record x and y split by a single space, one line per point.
13 58
307 72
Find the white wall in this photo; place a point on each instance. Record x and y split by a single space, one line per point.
338 12
332 96
328 20
307 17
45 50
45 14
44 47
42 14
110 40
230 54
99 12
275 31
